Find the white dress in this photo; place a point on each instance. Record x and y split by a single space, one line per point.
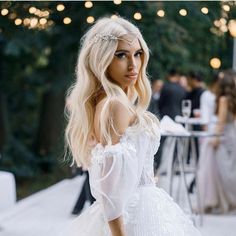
216 174
207 109
122 182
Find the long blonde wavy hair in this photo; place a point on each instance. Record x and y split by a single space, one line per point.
94 58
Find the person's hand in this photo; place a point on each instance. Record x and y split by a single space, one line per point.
215 142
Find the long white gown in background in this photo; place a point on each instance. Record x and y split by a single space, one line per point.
122 181
216 174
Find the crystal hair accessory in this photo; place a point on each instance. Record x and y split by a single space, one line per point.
107 37
110 37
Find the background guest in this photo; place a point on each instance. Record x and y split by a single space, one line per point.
196 89
217 175
171 96
156 91
208 106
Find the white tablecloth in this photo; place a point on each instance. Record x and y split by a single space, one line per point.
7 190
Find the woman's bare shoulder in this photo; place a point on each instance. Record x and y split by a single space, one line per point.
119 114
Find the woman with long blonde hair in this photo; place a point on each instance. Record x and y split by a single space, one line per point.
110 133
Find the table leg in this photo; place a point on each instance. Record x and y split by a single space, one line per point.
194 156
181 146
170 154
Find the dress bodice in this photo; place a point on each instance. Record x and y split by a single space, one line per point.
144 143
117 170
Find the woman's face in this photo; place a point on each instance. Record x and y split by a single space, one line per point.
125 67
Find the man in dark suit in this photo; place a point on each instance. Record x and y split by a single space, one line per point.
171 96
195 80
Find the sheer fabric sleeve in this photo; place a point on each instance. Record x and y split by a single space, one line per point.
114 176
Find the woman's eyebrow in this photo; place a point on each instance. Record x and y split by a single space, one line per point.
124 50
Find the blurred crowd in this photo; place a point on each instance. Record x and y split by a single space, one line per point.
214 104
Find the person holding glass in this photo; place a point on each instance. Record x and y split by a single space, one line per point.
217 163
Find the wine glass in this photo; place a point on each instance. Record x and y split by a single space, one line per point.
186 108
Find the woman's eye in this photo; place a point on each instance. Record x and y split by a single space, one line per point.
120 55
138 54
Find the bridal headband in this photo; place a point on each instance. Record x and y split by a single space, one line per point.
111 37
105 37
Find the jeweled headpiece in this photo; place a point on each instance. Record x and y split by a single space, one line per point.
111 37
106 37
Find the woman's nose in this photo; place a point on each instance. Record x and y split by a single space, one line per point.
131 64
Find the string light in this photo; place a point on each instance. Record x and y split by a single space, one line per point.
183 12
26 21
33 22
223 21
114 17
204 10
137 16
117 2
32 10
88 4
38 12
45 13
60 7
90 19
18 21
161 13
215 63
226 7
223 28
67 20
217 23
232 27
4 12
43 21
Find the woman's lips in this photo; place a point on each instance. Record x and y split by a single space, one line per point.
132 76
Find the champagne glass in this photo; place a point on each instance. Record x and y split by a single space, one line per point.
186 108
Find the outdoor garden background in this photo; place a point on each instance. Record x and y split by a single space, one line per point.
39 43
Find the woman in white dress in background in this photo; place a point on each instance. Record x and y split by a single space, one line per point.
110 132
217 163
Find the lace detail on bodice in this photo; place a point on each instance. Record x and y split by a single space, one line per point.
117 171
133 140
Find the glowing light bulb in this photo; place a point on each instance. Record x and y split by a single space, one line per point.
215 62
204 10
161 13
32 10
4 12
18 21
90 19
137 16
67 20
183 12
88 4
60 7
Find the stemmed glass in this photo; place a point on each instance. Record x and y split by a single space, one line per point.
186 109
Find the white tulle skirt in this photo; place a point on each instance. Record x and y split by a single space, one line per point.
151 212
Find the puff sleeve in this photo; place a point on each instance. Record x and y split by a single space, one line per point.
114 175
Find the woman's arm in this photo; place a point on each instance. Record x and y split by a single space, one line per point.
117 227
222 118
121 120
